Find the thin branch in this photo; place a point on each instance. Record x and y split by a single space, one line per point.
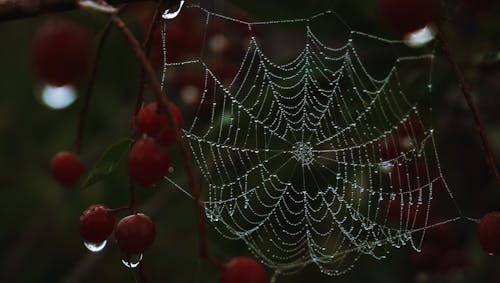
90 87
132 204
466 91
18 9
147 49
163 101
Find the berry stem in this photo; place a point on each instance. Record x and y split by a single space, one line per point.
163 101
120 209
147 49
466 91
132 205
142 272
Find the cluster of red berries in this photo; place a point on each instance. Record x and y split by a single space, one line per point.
149 160
134 234
61 55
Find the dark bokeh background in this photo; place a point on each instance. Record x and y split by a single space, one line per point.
39 219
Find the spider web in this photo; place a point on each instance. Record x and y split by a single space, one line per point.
319 159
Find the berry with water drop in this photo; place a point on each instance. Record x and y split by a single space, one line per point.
148 162
61 52
157 124
243 270
408 16
96 223
135 233
66 168
489 233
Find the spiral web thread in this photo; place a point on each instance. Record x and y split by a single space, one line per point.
316 160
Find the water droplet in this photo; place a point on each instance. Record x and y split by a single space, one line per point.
58 97
95 247
168 15
132 261
420 37
491 254
386 167
393 196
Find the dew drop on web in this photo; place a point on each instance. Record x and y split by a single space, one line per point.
386 167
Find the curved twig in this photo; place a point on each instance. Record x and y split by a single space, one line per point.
466 91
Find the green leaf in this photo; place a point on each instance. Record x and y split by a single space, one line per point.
108 162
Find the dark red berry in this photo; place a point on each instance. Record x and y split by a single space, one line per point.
154 123
405 16
489 233
243 270
61 52
96 223
66 168
135 233
148 162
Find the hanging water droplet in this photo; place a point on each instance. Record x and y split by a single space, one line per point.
95 247
132 261
168 15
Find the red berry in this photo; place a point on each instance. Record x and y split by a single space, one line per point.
66 168
61 52
96 223
243 270
489 233
405 16
148 162
154 124
135 233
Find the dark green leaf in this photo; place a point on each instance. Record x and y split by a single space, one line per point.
107 163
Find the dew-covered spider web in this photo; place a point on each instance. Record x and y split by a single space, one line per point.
319 157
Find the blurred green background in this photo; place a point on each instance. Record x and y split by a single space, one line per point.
39 230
